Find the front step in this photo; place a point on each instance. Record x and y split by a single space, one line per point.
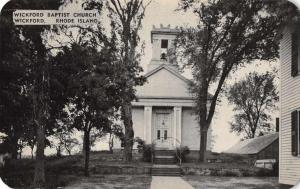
166 170
164 160
164 153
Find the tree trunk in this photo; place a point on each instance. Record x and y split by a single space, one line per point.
129 133
69 152
14 147
86 152
39 173
203 144
32 152
83 147
20 153
111 143
58 151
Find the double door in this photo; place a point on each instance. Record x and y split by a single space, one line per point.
163 130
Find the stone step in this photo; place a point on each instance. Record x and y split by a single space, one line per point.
164 153
167 174
165 170
164 161
160 162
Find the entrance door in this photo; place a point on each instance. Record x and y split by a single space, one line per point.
163 130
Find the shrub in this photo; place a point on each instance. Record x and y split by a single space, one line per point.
264 172
146 149
181 153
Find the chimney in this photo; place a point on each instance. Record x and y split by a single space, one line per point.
277 124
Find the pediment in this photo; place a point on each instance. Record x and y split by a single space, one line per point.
164 82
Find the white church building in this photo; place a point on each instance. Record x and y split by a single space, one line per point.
163 112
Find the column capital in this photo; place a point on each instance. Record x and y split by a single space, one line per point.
147 108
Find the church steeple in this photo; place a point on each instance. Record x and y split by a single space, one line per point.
162 40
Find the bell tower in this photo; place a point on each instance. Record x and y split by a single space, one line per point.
162 40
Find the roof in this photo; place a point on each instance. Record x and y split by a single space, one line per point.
254 145
168 68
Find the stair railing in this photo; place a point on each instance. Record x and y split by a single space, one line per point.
178 153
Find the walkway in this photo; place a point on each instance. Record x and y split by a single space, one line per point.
169 183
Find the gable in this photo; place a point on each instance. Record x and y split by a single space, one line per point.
164 83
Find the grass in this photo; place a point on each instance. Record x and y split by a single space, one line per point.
59 171
217 165
68 171
210 182
112 182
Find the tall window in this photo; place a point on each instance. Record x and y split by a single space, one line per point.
295 133
158 134
295 55
164 49
164 43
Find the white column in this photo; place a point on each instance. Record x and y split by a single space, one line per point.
148 124
177 125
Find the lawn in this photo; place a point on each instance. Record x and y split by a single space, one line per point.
112 182
64 170
210 182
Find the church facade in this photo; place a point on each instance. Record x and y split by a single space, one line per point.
163 112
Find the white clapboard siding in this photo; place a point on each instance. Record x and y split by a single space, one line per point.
289 166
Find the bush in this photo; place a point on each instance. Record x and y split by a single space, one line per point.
181 153
146 149
148 152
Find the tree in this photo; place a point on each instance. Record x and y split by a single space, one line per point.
230 33
254 98
126 20
15 108
37 75
64 137
93 94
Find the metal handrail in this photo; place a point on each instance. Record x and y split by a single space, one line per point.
179 156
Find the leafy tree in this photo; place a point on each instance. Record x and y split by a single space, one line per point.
64 137
254 99
230 33
126 17
115 131
15 108
91 89
37 74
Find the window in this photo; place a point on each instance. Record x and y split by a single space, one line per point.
158 134
295 55
165 134
164 43
295 133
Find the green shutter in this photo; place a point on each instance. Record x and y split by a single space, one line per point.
295 54
295 125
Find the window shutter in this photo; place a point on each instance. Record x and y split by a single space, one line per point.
295 124
295 50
